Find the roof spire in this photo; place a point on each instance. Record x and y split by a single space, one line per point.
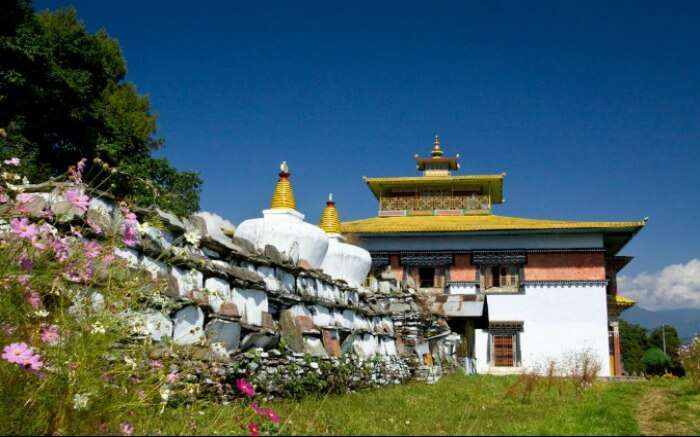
437 151
330 222
283 197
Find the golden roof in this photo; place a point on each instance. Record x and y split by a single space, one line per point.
624 302
330 222
283 197
475 223
491 185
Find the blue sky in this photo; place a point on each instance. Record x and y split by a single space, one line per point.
592 109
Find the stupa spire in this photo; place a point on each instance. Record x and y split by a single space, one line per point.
437 150
283 197
330 222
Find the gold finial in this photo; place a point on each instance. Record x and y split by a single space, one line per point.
437 151
330 222
283 197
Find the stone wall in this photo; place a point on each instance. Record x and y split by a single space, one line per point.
264 314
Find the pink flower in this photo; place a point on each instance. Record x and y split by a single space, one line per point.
23 279
92 249
12 161
15 353
49 334
156 364
126 428
4 198
60 249
130 227
22 199
172 377
267 413
78 199
245 387
253 429
23 228
108 258
22 355
95 227
33 298
76 173
26 264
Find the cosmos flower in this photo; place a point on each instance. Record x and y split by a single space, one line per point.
245 387
12 161
78 199
126 428
24 229
49 334
253 429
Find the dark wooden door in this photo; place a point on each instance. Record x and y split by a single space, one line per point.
503 350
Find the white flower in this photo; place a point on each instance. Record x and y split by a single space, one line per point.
165 393
97 328
80 401
25 181
314 365
144 228
130 361
193 237
41 313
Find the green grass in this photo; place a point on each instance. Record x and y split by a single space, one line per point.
455 405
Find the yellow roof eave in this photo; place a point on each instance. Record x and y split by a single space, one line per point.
477 223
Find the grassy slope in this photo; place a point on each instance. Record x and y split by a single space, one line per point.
455 405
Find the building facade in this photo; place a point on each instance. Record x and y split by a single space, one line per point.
549 285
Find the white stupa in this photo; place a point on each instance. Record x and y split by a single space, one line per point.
282 226
342 261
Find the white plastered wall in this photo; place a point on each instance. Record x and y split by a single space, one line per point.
559 321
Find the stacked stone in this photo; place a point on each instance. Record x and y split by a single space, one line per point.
225 299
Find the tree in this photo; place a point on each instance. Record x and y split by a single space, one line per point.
633 342
63 97
673 343
655 361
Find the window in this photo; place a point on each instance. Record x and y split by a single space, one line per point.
504 350
504 278
426 277
504 343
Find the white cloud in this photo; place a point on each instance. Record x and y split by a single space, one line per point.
675 286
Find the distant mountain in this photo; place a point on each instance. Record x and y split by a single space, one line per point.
686 321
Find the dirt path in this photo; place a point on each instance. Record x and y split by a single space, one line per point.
664 411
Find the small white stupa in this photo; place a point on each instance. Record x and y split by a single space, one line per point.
282 226
342 261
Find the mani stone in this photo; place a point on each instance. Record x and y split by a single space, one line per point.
273 254
226 333
219 292
130 255
314 347
291 333
189 324
155 268
331 342
257 340
186 280
153 324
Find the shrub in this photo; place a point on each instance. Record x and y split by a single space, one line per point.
690 357
655 361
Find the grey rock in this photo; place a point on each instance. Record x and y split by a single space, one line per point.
189 326
227 333
273 254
